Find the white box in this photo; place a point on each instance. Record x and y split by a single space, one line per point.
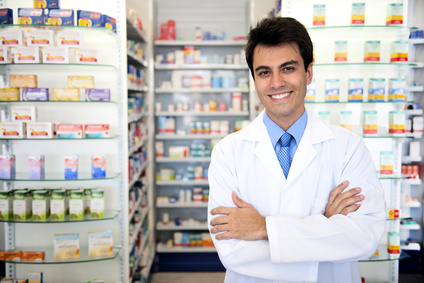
87 56
39 130
11 37
12 130
55 54
70 38
26 54
24 113
39 37
100 244
5 57
66 246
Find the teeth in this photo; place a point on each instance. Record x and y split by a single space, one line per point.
280 96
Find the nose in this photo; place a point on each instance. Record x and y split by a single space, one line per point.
277 80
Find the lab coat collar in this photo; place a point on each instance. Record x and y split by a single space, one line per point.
316 132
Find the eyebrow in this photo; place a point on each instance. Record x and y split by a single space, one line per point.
285 64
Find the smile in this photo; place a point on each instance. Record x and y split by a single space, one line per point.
280 95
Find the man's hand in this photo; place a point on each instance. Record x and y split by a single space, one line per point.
242 222
343 203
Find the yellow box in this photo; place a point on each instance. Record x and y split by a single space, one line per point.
80 81
22 81
66 94
9 94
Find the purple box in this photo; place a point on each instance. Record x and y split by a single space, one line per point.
96 94
34 94
6 17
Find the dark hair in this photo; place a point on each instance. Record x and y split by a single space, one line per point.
276 32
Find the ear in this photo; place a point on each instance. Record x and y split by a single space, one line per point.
309 74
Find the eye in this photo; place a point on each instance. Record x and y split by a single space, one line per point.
288 69
263 73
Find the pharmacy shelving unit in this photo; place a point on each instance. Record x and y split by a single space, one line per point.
385 267
141 247
38 236
167 256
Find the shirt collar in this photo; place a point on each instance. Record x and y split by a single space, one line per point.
296 130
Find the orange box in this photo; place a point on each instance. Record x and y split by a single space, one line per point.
10 255
33 256
22 81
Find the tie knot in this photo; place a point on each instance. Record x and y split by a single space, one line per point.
285 139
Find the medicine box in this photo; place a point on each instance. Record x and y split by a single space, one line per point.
39 130
399 51
100 244
332 90
340 51
394 14
6 205
11 37
61 17
89 19
28 16
393 244
76 204
9 94
57 54
6 16
356 90
24 113
39 37
32 256
10 255
26 54
87 55
40 205
35 277
386 163
96 94
69 131
34 94
22 81
5 56
80 81
69 38
12 130
179 151
59 204
66 246
71 167
370 124
397 89
376 90
319 15
97 131
372 51
346 119
98 166
97 203
7 166
46 4
109 22
397 122
325 116
65 94
22 205
357 14
36 167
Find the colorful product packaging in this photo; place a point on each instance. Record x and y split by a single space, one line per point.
39 130
46 4
9 94
6 16
22 81
325 116
6 205
28 16
340 51
393 213
87 201
397 122
66 246
357 14
97 203
59 55
76 204
399 51
370 123
59 204
397 89
5 56
98 166
69 131
70 38
22 205
66 94
346 119
71 167
40 205
332 90
372 51
26 54
97 131
7 166
319 15
39 37
100 244
376 90
87 55
89 19
35 277
96 94
394 14
12 130
24 113
109 22
386 163
10 255
36 167
60 17
11 37
34 94
32 256
80 81
393 244
356 90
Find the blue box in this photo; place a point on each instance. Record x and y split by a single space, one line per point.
109 23
46 4
61 17
28 16
6 17
98 166
89 19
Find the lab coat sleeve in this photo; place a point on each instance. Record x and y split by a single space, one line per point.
338 238
249 258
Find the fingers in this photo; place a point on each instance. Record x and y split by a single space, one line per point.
337 191
237 201
221 210
349 209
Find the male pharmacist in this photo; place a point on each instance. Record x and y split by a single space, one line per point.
284 203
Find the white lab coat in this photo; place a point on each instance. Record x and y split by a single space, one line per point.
303 245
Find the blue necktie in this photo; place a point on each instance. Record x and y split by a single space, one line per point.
284 153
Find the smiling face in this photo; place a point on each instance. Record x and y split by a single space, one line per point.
281 80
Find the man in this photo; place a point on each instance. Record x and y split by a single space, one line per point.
271 223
